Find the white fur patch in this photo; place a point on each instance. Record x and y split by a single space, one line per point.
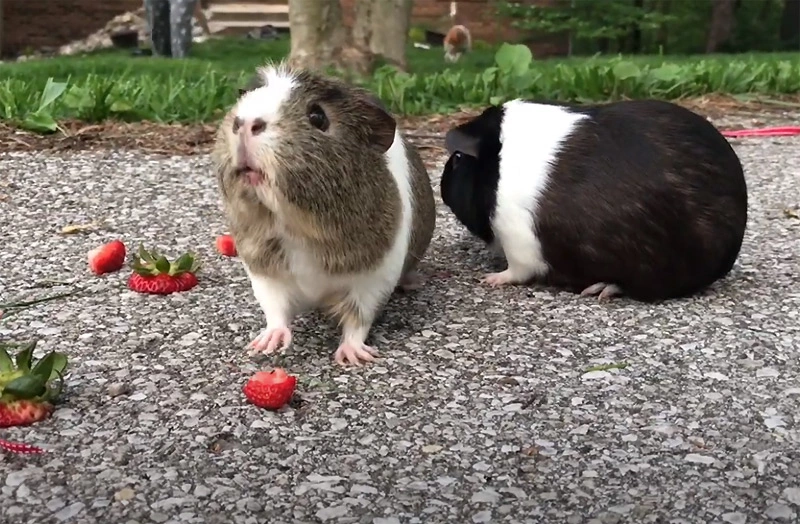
531 136
265 102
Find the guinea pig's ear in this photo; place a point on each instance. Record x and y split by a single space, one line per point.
457 139
382 125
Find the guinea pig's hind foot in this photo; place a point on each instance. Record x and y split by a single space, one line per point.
354 354
503 278
410 281
603 290
269 340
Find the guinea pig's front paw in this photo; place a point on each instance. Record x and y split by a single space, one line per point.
270 339
354 354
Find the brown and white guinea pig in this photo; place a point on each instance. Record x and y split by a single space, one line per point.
638 198
329 205
457 41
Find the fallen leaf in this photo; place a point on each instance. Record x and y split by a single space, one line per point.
78 228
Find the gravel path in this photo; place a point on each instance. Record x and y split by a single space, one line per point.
484 408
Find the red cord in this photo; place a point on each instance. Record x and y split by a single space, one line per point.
16 447
765 131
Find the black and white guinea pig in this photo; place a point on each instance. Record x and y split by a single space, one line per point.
638 198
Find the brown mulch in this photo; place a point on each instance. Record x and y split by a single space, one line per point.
426 131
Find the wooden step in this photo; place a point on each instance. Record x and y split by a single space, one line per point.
250 19
249 9
215 3
253 18
240 27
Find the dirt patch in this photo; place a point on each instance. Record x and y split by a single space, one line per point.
427 132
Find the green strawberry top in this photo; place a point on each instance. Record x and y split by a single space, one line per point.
20 379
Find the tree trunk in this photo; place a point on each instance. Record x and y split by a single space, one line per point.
382 27
722 20
790 25
319 38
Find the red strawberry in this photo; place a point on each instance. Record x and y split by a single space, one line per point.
155 274
23 412
16 447
107 258
26 391
226 245
270 390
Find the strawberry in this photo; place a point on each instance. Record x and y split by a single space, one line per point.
270 390
27 393
155 274
107 258
226 245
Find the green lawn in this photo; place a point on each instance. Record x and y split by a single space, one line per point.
229 56
115 84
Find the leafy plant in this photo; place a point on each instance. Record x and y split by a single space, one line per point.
28 112
186 93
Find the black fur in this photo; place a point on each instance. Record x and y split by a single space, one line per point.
645 194
469 180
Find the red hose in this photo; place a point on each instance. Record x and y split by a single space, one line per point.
16 447
764 131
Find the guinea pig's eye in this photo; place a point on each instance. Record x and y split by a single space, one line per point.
317 118
457 156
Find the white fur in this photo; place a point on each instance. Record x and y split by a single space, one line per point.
531 136
266 101
281 299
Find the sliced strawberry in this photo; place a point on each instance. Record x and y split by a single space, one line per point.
155 274
107 258
270 390
226 246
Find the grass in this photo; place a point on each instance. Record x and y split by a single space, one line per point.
113 84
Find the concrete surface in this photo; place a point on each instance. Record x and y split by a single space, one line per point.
484 407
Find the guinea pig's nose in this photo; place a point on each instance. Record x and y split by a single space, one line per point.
255 126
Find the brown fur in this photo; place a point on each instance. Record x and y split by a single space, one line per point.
457 41
424 210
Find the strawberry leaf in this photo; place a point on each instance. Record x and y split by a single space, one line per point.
163 265
25 357
144 255
183 264
59 365
6 364
26 387
44 368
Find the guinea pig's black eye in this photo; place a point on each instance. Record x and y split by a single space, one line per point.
317 117
457 156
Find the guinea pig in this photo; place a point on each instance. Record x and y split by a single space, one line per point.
457 41
329 205
639 198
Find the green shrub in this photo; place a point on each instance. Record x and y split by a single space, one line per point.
198 92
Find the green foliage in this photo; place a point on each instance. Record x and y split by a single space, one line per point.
36 95
586 19
673 26
28 110
416 34
516 75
